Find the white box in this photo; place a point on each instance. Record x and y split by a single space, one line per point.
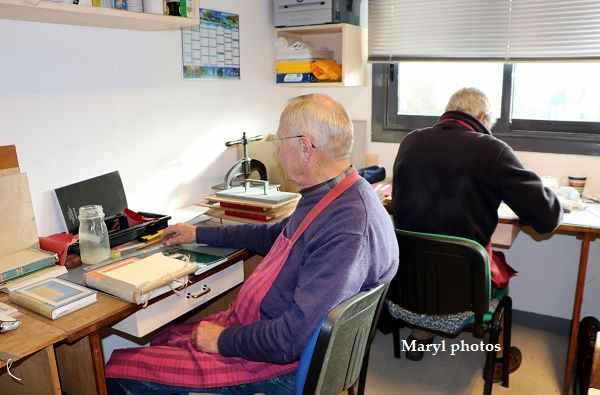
166 310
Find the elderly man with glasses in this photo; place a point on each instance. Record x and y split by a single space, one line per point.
338 242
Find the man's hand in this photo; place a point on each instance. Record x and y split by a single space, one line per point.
179 233
206 337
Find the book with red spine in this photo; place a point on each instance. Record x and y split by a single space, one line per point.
257 217
241 206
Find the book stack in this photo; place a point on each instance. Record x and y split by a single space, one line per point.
138 280
244 207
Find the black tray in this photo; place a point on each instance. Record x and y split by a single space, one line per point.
123 236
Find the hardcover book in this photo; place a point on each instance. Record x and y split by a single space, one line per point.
31 278
20 263
53 298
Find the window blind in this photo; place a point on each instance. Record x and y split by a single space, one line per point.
504 30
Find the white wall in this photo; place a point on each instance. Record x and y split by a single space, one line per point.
79 102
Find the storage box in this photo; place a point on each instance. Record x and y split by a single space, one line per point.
300 13
504 235
107 191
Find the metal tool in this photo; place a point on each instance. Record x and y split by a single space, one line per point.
8 323
245 166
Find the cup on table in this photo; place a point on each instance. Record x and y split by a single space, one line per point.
577 182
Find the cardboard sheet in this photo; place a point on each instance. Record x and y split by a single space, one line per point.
18 230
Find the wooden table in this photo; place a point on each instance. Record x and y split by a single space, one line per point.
79 355
586 226
70 347
32 343
80 361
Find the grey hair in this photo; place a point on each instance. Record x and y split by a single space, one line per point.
473 102
324 120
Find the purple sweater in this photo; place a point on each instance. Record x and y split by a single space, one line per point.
349 247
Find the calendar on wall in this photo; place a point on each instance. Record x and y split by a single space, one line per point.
212 49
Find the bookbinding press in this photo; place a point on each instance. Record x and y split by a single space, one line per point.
243 167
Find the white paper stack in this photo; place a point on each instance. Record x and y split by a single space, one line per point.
298 50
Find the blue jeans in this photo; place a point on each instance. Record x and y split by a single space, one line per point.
280 385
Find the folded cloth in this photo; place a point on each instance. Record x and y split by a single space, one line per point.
58 243
372 173
134 218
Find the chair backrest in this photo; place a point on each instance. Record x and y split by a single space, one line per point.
333 357
441 275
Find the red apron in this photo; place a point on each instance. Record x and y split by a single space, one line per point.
172 359
500 270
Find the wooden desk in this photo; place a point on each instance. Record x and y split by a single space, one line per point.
69 347
80 361
79 355
586 226
32 343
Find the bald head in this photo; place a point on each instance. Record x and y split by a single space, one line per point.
473 102
324 120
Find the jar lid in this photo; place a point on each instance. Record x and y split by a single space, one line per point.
91 211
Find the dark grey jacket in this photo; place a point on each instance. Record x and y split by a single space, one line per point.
450 180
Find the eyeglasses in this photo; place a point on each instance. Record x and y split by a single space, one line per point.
277 140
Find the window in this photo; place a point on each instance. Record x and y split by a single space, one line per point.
424 87
573 94
546 107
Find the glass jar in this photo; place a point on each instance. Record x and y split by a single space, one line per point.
93 235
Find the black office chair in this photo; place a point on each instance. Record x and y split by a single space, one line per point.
337 355
443 285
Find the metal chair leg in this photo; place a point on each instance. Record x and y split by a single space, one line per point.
507 329
362 378
396 338
490 360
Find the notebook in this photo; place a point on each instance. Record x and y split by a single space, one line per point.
53 298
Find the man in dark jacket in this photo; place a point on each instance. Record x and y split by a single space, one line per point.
450 179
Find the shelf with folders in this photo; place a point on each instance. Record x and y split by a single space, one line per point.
346 42
72 14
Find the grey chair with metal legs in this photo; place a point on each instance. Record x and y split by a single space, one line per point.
443 286
336 357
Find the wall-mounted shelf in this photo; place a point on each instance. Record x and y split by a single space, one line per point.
348 43
71 14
